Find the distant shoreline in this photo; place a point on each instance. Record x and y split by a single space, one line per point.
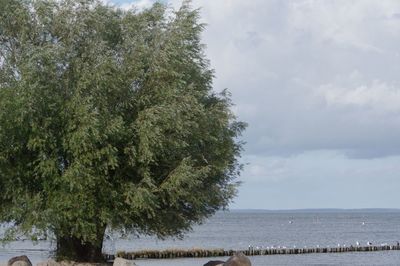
323 210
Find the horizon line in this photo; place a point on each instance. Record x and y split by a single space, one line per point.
310 209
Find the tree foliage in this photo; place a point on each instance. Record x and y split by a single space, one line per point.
108 119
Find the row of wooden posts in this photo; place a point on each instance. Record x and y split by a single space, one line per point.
199 253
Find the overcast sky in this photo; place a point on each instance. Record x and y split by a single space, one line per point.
319 84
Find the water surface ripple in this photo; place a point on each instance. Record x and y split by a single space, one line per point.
239 229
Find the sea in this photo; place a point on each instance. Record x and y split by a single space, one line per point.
237 229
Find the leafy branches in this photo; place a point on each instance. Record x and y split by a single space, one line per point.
108 119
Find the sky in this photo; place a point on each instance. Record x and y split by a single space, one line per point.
318 82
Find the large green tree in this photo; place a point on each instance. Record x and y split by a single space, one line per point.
108 120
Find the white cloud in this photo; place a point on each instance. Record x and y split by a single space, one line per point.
378 96
265 169
319 165
319 179
138 4
345 22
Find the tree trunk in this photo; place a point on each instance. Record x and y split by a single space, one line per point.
75 249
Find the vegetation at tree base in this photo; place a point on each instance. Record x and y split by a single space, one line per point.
108 120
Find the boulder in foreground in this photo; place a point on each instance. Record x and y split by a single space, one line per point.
52 262
238 260
49 262
215 263
19 261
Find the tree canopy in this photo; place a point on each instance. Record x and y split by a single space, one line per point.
108 119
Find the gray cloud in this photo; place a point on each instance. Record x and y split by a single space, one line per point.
310 75
318 82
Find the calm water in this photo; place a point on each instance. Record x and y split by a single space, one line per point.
238 229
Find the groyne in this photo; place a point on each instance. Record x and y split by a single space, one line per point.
199 253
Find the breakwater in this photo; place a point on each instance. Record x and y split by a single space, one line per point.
199 253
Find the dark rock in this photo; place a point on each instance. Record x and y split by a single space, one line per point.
238 260
214 263
19 261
